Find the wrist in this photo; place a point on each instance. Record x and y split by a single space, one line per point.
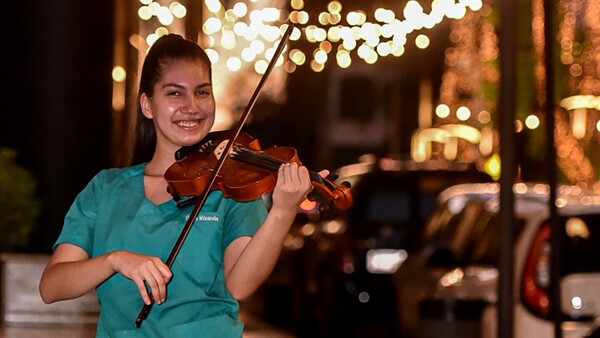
282 212
111 259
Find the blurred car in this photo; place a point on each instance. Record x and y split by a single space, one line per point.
443 247
336 274
463 236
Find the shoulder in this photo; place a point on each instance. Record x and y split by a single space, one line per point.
112 178
112 174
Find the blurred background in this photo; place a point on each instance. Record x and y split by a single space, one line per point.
364 86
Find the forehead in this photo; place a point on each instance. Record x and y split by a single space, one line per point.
184 70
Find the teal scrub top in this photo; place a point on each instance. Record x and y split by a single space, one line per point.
113 213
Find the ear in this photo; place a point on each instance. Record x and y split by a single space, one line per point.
145 105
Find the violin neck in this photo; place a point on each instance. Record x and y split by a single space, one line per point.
263 161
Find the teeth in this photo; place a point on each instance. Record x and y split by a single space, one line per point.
187 124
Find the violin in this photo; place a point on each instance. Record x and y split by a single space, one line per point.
248 173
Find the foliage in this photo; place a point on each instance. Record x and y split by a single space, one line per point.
19 206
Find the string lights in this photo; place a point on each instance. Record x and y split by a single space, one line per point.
240 37
251 29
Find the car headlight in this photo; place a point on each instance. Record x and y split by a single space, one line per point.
385 260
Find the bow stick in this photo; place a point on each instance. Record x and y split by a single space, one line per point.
234 134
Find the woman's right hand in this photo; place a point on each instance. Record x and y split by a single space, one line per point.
144 271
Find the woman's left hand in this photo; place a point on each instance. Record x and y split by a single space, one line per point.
292 187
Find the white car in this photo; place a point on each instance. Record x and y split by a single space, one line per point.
467 225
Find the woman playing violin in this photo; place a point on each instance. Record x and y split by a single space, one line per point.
121 227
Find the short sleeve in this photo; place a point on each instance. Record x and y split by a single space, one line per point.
243 219
78 226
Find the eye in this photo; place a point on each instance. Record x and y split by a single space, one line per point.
203 90
173 93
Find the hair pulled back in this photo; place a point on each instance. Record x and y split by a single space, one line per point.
167 48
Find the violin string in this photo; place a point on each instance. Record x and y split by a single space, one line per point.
261 160
264 161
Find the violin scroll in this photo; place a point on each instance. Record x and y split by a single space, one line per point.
339 196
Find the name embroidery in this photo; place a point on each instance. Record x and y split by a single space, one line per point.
213 218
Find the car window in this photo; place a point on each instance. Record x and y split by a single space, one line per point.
465 233
448 234
467 230
486 249
392 201
389 206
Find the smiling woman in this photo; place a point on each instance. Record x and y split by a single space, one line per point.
117 235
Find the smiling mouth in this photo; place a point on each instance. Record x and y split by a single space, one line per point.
188 124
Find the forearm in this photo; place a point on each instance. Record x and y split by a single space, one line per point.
72 279
258 258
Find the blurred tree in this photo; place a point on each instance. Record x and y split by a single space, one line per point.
19 207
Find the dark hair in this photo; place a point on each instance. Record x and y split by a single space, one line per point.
167 48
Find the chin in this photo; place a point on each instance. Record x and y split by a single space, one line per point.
191 141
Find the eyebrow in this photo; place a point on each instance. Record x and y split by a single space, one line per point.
176 85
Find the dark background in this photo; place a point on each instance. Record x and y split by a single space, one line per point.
56 66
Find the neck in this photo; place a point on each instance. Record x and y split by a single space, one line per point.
155 185
160 162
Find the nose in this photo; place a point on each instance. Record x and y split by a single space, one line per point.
190 105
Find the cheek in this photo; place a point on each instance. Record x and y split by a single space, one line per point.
163 111
211 107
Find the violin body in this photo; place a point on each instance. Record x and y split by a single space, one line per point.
248 173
